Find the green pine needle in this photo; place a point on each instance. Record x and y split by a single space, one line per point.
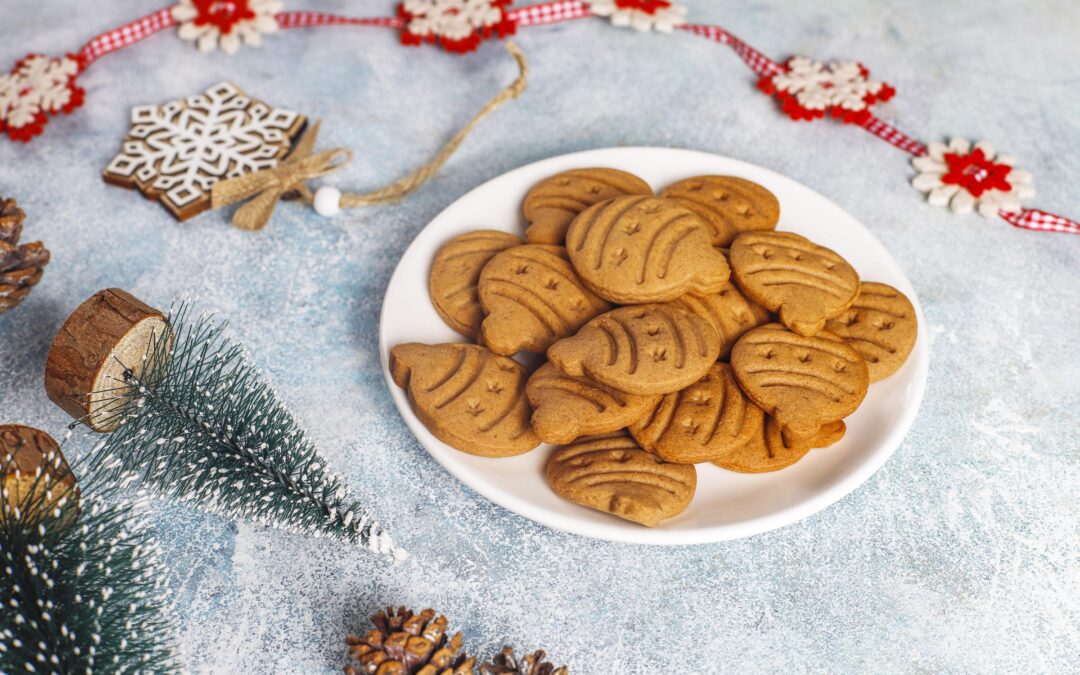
202 426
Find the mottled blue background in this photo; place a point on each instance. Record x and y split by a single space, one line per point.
960 555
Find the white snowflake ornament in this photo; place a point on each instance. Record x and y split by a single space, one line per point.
456 25
808 89
226 23
38 86
968 177
643 15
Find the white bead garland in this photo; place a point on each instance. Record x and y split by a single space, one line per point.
328 201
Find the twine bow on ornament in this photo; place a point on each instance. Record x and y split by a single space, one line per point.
291 175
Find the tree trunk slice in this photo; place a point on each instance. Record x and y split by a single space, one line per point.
109 334
24 451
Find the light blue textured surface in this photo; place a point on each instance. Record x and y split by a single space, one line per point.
960 555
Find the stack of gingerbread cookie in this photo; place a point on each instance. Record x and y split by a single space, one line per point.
678 328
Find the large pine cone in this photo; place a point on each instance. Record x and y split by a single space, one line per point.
21 266
404 643
505 663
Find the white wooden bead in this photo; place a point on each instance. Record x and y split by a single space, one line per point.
328 201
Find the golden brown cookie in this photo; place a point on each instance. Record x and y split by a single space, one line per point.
612 474
641 349
566 408
455 272
701 423
773 449
467 397
881 326
728 311
805 283
553 203
533 297
805 382
728 204
644 249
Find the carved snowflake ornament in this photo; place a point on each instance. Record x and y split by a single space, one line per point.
176 152
226 23
456 25
808 89
966 178
643 15
37 87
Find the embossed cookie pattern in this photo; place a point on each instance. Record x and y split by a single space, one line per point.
730 205
772 449
881 326
553 203
728 311
454 275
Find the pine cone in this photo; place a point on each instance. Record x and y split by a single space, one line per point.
505 663
404 643
20 266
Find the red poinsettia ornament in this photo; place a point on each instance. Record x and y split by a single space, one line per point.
456 25
38 86
808 89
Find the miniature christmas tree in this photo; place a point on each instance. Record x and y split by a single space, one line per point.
189 417
83 589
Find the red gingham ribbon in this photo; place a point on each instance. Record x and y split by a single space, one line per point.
888 132
758 62
549 12
125 35
312 19
1034 219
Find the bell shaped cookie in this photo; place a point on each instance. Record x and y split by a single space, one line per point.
881 326
773 449
730 205
467 397
612 474
804 283
640 349
455 273
533 297
702 423
553 203
805 382
633 250
566 408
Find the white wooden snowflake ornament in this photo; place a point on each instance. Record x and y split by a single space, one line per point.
643 15
38 86
226 23
968 177
808 89
456 25
176 152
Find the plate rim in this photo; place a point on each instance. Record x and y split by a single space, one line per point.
788 515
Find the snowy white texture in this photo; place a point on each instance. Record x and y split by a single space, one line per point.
451 19
955 557
660 16
817 86
39 85
932 167
209 37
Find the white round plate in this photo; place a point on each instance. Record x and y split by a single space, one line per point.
727 505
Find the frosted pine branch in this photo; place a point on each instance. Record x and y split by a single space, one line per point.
205 428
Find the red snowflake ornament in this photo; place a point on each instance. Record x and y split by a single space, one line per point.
808 89
455 25
38 86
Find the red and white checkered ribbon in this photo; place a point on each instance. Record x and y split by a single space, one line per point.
1034 219
549 12
759 63
126 35
313 19
891 134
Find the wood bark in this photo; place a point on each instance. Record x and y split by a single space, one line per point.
25 450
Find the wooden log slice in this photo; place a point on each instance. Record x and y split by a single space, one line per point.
109 334
24 451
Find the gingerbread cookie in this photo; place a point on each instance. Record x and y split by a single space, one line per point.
773 449
881 326
805 382
644 249
612 474
455 273
566 408
805 283
533 297
728 311
643 349
701 423
728 204
553 203
467 397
